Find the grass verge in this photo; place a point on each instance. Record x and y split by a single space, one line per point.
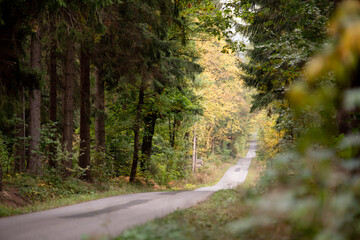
208 220
25 193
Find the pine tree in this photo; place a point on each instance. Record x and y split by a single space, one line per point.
282 42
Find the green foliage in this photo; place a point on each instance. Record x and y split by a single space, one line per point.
5 158
131 42
167 164
199 223
49 186
282 42
51 191
50 138
312 191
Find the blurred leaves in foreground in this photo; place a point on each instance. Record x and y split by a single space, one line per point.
314 190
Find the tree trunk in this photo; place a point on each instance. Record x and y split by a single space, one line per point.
172 131
146 149
213 145
20 163
208 138
194 151
100 115
34 164
84 159
137 125
53 99
1 177
68 101
347 121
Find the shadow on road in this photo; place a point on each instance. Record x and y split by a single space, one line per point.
109 209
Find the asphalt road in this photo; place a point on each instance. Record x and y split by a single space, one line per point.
111 216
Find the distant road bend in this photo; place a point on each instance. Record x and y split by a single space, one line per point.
111 216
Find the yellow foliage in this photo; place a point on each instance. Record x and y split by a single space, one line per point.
269 137
226 101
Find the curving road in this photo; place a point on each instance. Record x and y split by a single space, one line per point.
111 216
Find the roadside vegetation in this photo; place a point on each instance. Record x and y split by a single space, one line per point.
25 193
304 62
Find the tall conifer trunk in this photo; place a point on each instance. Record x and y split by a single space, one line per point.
348 121
19 161
172 131
194 151
137 125
100 108
84 159
1 177
68 100
146 148
53 98
34 163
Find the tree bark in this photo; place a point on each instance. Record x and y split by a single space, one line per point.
347 121
137 125
84 159
213 145
20 163
68 101
53 83
146 148
194 151
100 115
34 163
172 131
53 99
1 177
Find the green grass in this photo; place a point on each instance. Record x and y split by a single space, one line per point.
43 194
208 220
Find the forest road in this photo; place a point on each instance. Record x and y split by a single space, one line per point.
111 216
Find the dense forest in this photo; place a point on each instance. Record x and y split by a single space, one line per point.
98 90
101 89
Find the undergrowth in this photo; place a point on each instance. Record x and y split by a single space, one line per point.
25 193
50 190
